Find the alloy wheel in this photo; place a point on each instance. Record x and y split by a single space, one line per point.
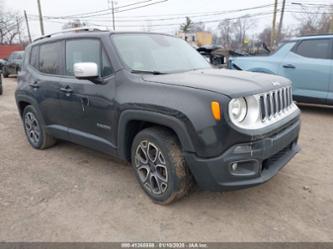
151 167
32 128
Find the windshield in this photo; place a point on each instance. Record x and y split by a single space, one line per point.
157 53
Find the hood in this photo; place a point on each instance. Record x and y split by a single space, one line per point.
228 82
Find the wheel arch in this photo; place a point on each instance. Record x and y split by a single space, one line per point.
22 101
133 121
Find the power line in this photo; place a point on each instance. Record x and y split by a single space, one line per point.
134 8
104 10
181 15
256 15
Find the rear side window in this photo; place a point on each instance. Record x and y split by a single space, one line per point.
34 57
50 58
319 49
86 50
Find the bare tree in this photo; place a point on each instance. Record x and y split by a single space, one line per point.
315 22
233 33
225 30
11 27
240 29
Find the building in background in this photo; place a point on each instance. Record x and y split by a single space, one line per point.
6 50
197 39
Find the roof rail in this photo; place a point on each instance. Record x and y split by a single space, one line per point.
320 34
81 29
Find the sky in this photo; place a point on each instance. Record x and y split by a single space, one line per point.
142 18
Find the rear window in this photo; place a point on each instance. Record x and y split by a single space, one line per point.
317 48
50 58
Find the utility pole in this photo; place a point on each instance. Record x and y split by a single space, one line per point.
281 19
111 5
18 29
27 23
273 37
40 17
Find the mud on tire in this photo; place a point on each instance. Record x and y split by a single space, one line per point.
174 176
44 140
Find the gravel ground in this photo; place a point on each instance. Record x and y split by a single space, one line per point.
70 193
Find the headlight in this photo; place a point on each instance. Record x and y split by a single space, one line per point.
238 109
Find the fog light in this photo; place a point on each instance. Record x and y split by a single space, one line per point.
245 168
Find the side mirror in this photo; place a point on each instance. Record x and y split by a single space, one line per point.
85 70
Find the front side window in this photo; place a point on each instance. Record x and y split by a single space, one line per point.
317 48
86 50
50 58
154 52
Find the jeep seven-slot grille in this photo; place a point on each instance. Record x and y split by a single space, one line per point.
275 103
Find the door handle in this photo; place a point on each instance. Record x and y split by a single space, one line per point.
289 66
67 90
34 85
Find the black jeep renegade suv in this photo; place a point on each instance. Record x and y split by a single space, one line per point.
154 101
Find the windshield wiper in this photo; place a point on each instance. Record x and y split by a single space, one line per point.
147 72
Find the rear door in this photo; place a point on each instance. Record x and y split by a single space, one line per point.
46 70
309 65
89 108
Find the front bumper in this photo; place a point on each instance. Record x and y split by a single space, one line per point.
246 165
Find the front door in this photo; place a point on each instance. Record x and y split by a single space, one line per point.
89 108
309 66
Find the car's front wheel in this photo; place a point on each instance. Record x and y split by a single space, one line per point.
160 166
34 130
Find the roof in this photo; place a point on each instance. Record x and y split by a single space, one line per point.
6 50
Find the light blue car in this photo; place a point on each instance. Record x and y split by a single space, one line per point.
306 61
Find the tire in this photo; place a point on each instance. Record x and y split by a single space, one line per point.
35 131
160 166
5 74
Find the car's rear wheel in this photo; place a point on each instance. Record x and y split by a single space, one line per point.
5 73
160 166
35 131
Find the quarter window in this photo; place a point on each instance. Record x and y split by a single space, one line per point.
86 50
50 58
319 49
34 57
